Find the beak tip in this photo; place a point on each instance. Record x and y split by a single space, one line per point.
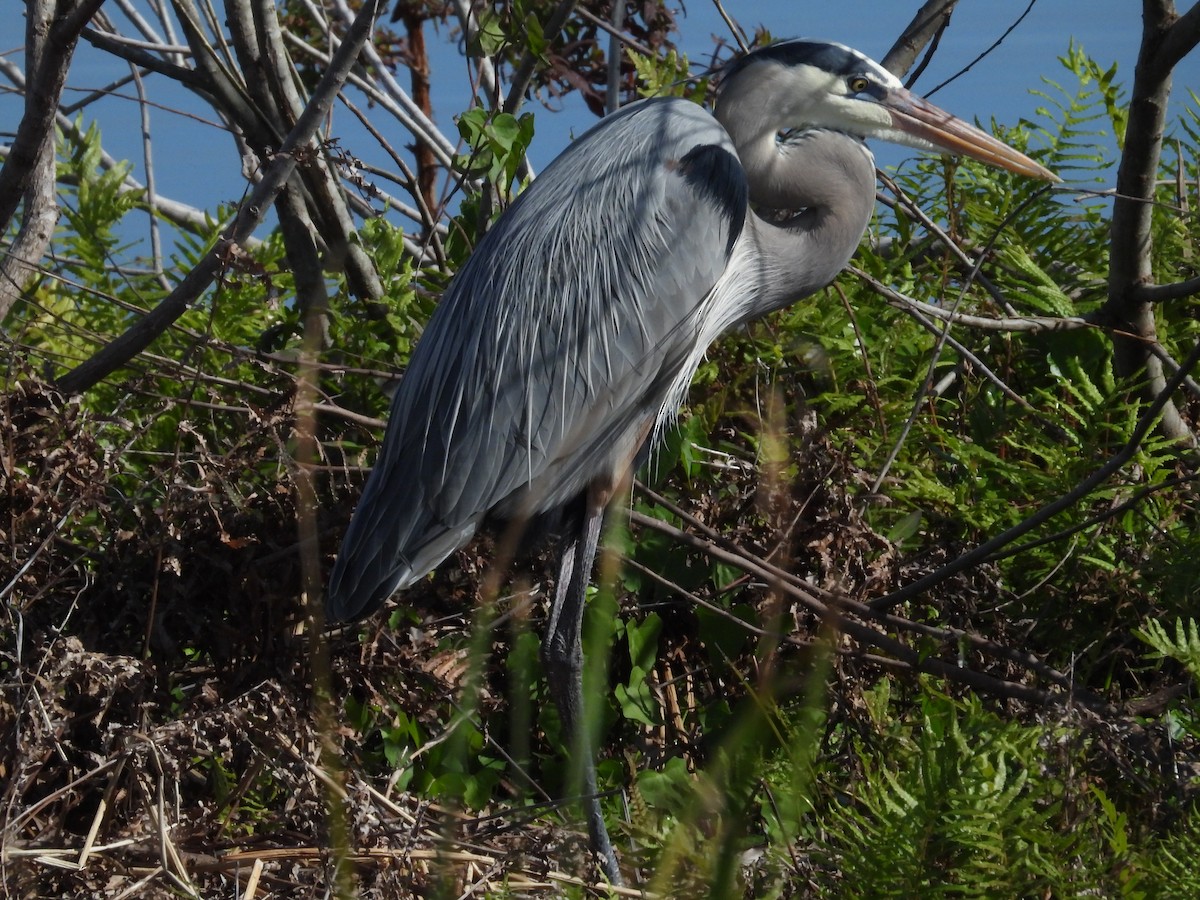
1046 175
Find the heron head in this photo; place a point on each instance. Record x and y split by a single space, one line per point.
803 85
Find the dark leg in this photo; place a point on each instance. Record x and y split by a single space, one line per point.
562 656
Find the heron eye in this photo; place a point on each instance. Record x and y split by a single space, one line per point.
858 84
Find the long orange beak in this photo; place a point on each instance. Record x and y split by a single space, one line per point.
918 117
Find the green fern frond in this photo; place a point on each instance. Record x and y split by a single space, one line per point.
1183 647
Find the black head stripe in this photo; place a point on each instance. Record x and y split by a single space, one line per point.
829 57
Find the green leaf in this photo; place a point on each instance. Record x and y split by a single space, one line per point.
1184 647
643 640
636 699
490 39
906 528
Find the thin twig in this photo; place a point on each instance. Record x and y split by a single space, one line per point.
734 28
994 45
866 634
1022 324
139 336
986 550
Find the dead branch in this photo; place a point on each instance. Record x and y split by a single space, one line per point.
139 336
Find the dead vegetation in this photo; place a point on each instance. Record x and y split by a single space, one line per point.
160 734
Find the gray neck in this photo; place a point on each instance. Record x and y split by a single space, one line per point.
828 175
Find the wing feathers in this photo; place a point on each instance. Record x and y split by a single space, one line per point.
556 345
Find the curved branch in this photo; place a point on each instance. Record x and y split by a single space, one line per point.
996 43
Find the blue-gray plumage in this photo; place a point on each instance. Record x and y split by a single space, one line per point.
570 336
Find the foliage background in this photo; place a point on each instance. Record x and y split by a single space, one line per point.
787 714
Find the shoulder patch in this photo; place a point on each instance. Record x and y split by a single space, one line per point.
716 175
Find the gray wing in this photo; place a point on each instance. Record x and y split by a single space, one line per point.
554 348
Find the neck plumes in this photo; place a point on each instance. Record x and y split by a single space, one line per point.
823 185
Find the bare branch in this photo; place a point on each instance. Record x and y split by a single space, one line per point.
734 28
1173 367
142 334
612 97
430 227
28 173
144 59
70 20
328 201
53 42
182 215
1027 324
41 209
834 608
621 37
1164 293
996 43
1107 514
976 363
930 20
486 68
114 41
524 74
1182 38
177 52
967 264
398 102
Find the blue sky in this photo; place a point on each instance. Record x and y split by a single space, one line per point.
196 163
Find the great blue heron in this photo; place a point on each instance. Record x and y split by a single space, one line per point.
570 336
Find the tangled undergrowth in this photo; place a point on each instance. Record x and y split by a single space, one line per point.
161 733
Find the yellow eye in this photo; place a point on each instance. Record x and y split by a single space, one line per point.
858 84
